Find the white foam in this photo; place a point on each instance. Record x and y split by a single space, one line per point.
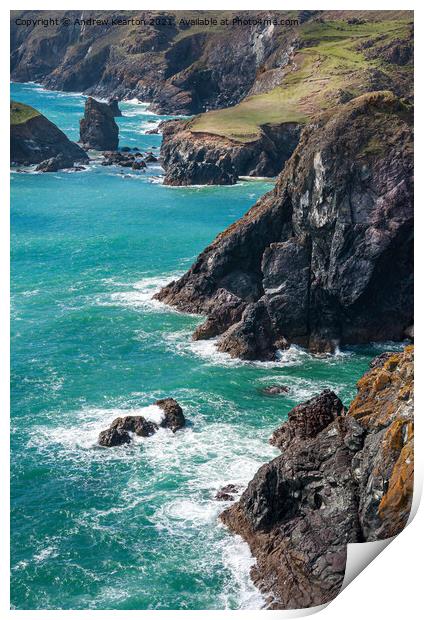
153 413
207 455
238 559
42 555
183 344
90 421
140 295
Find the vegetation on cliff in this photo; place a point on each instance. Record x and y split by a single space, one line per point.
21 113
331 61
299 63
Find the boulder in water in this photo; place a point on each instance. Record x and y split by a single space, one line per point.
53 164
174 416
119 431
227 493
113 437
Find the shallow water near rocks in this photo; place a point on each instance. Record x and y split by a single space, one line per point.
132 527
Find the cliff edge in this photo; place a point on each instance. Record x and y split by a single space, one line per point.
324 259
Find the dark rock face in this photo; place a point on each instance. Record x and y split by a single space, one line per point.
112 437
312 262
203 159
98 129
342 477
308 419
114 107
118 432
38 139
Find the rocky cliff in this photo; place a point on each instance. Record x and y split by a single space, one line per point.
35 139
98 129
256 136
343 477
326 257
180 61
251 77
189 62
207 159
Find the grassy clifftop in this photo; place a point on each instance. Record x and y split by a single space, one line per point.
21 113
333 60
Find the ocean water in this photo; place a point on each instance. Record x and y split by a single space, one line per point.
131 527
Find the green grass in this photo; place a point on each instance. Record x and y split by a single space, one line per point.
21 113
328 61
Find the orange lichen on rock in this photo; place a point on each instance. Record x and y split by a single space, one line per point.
383 389
343 476
395 505
384 407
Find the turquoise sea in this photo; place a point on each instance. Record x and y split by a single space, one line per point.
130 527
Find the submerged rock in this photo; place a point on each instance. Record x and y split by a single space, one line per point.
98 129
227 493
275 390
118 432
112 437
343 477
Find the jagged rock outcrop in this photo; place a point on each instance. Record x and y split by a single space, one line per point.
343 477
193 158
98 129
173 414
35 139
385 466
119 431
313 261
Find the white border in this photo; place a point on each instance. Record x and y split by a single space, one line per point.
391 585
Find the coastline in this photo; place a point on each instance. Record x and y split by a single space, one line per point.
254 311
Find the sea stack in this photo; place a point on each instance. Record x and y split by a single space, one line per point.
98 129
